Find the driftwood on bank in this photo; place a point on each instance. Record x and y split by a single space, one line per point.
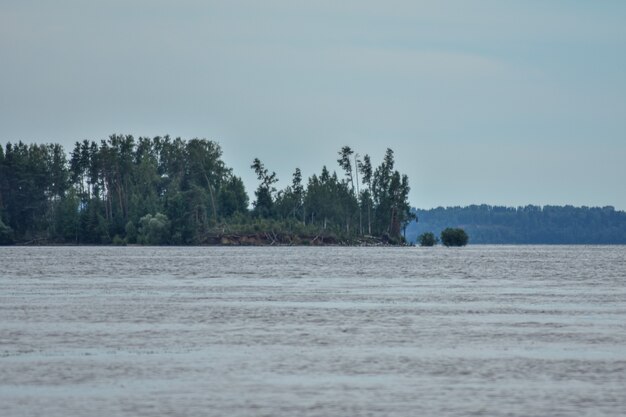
272 238
225 237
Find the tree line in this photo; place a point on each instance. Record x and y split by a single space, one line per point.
526 225
163 190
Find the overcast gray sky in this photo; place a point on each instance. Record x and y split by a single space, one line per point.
498 102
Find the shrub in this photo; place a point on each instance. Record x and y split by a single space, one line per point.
118 241
454 237
154 230
427 239
6 234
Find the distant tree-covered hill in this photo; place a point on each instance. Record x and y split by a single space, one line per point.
530 224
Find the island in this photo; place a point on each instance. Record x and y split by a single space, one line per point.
171 191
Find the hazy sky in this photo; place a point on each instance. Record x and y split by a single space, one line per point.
499 102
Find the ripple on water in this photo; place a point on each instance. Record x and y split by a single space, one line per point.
482 330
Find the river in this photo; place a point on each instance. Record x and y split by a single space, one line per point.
313 331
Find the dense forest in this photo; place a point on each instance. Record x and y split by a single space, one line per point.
172 191
530 224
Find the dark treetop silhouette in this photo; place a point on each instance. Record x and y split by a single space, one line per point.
172 191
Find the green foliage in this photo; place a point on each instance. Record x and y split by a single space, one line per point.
290 201
330 203
131 232
108 190
65 224
454 237
154 230
6 234
33 177
427 239
233 198
345 163
264 204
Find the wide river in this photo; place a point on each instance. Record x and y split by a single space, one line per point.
298 331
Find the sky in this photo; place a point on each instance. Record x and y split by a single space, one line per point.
496 102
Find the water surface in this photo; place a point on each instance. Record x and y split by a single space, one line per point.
283 331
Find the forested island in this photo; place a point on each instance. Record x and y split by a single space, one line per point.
526 225
166 191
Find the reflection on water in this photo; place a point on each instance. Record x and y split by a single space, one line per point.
482 330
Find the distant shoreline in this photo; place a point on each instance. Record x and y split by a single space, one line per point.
263 239
301 245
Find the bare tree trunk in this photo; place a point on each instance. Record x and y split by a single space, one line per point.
358 193
110 201
212 197
119 196
369 220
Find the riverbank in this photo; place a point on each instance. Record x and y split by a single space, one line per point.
246 239
286 239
